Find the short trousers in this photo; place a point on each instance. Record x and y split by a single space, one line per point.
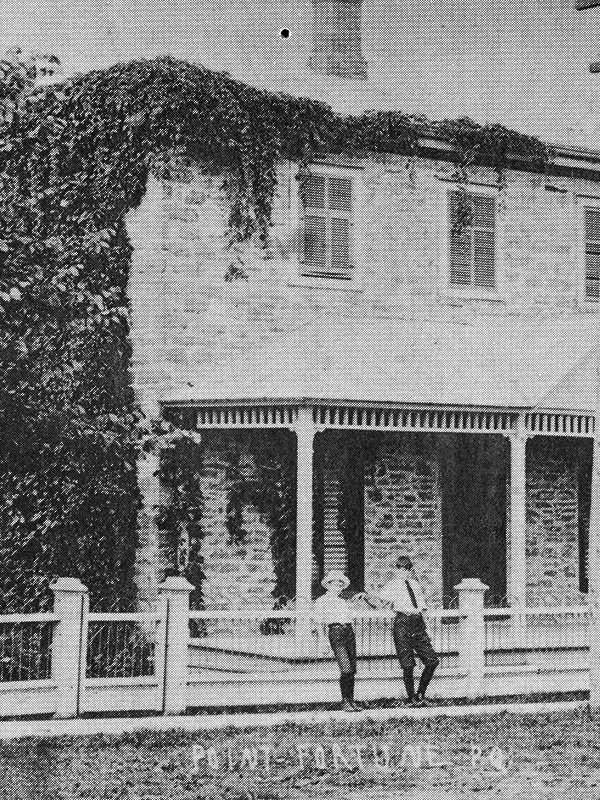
411 639
343 644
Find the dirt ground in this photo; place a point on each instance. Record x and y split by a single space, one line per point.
554 755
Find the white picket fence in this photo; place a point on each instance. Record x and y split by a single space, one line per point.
71 661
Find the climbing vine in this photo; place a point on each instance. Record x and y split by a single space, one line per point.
268 484
74 160
179 517
238 492
274 495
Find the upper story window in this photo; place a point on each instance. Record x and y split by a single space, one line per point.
592 253
326 237
472 240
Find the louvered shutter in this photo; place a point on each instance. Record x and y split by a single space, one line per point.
472 244
315 244
327 224
334 546
592 254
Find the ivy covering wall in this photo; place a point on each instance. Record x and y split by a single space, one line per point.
74 160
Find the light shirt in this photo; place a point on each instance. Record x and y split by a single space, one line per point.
395 592
330 608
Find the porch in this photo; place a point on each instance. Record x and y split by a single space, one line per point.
502 495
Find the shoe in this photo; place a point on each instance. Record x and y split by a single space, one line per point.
421 702
348 705
357 706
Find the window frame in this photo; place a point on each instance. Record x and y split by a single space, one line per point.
583 203
354 283
471 292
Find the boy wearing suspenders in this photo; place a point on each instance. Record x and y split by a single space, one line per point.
404 595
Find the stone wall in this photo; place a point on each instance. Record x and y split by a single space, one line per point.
188 322
403 513
237 575
552 524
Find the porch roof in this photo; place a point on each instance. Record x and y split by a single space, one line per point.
539 360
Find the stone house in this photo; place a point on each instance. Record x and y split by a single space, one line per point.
447 378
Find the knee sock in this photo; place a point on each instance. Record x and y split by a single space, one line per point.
409 682
346 685
426 676
351 685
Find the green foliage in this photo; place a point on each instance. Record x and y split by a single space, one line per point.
74 159
269 485
180 518
274 495
490 145
238 490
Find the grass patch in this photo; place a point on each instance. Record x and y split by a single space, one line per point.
548 755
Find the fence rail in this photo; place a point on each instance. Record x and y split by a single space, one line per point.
541 637
258 641
73 661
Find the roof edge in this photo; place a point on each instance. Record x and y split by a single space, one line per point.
564 156
221 402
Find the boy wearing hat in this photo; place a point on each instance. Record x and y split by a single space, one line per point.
335 614
404 595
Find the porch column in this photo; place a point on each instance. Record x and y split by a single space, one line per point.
517 578
594 573
305 431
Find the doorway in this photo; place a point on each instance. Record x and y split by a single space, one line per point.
474 476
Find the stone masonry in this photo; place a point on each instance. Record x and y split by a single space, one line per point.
187 320
403 515
552 527
236 575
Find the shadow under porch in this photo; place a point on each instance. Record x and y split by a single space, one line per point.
511 511
441 498
461 505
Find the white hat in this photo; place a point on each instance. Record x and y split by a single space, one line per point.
335 575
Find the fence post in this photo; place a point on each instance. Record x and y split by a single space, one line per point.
174 599
594 644
594 571
69 645
471 653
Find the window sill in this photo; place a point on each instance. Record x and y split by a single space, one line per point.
336 284
588 305
457 293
